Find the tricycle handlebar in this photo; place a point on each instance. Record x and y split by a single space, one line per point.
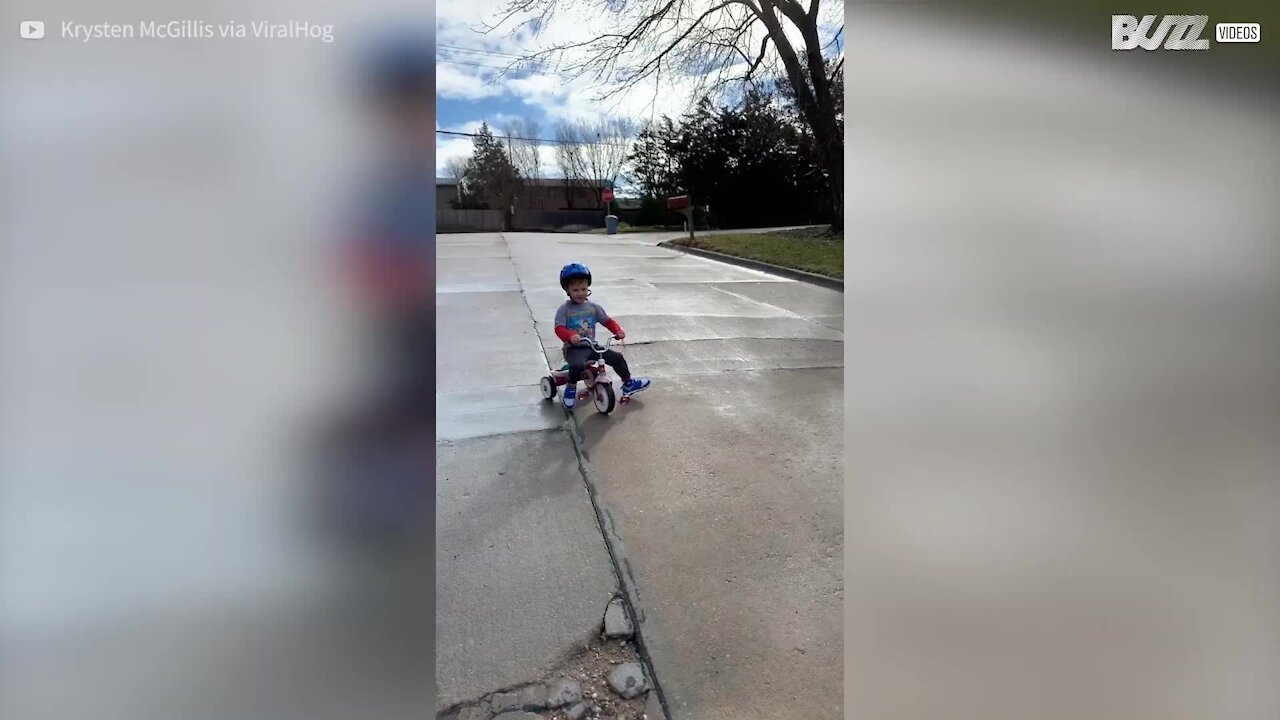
594 345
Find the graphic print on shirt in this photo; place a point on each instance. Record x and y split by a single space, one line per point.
582 320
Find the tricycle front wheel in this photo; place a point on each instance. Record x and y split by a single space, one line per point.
604 397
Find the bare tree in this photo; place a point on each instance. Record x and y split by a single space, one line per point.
570 159
456 168
721 42
527 147
522 138
592 155
606 150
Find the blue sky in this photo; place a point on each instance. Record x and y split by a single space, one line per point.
468 62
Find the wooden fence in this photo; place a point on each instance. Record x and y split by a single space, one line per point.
450 220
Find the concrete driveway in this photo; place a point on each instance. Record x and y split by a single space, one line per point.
721 484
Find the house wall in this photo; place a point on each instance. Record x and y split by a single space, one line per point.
445 194
538 207
553 220
542 197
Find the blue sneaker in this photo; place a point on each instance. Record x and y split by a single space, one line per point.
634 385
570 393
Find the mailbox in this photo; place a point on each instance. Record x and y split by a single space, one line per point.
679 202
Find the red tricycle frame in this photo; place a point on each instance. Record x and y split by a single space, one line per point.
595 379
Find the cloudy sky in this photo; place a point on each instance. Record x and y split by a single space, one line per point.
469 91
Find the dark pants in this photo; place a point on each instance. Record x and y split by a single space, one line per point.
579 355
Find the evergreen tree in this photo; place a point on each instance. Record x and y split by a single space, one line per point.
491 178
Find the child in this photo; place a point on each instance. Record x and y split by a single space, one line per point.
576 319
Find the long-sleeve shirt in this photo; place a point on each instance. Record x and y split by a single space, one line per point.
581 319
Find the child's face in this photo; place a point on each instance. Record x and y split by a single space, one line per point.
578 290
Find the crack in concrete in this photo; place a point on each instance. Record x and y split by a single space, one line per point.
621 565
608 531
451 442
559 669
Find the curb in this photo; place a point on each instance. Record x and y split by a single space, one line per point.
812 278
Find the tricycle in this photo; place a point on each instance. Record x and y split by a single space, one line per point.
595 379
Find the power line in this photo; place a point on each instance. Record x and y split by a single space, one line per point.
469 64
478 51
534 139
494 55
498 67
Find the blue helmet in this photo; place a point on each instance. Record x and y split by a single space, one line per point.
574 271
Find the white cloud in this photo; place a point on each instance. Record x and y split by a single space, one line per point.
467 127
539 90
457 83
654 99
547 159
448 148
498 121
558 96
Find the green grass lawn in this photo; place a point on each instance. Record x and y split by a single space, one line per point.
811 251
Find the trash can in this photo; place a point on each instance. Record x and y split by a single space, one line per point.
611 224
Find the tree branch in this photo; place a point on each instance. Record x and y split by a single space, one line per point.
817 66
764 47
793 11
688 32
702 38
834 38
790 61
